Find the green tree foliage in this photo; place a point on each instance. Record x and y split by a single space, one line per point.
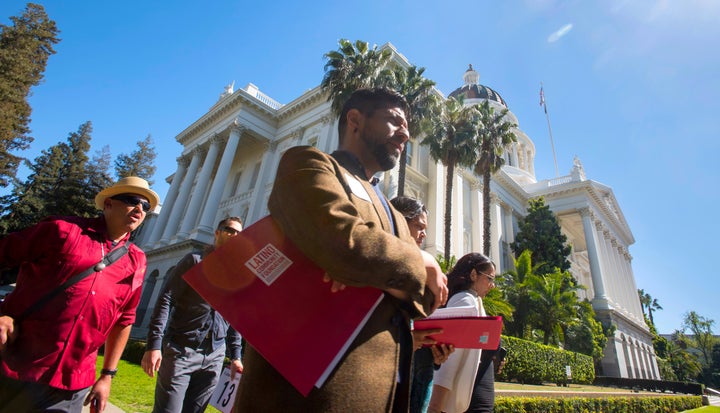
140 162
451 140
57 185
514 283
541 234
648 305
99 170
554 304
685 365
494 135
353 66
702 335
587 336
24 51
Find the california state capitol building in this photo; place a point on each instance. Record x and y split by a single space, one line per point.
231 153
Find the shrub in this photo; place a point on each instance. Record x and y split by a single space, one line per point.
534 363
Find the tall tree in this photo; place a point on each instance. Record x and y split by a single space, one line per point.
653 305
554 303
57 184
451 140
588 335
541 234
140 162
353 66
514 283
24 51
494 135
99 170
423 101
702 334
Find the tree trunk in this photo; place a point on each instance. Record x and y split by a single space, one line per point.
486 214
401 172
448 207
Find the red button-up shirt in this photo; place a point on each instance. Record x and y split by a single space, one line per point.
58 344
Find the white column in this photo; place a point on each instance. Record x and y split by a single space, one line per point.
213 201
600 299
183 195
169 201
198 196
267 166
514 155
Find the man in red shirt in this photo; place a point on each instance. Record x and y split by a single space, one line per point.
48 355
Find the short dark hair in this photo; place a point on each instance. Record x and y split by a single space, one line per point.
227 220
408 207
367 101
459 277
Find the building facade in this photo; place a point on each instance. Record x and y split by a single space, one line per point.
227 168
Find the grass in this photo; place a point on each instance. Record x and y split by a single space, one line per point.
132 390
704 409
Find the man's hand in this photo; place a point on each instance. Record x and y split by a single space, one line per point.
441 352
421 337
7 331
436 280
336 286
99 393
236 366
151 362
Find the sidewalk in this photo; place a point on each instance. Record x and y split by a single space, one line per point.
109 408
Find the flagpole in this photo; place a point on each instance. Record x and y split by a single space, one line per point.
552 144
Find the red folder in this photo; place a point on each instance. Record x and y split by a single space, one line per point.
276 298
464 332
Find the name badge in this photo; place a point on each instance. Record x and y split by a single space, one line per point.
357 188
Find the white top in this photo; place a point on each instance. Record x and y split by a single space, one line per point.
457 374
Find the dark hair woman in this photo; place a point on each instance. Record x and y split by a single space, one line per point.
454 383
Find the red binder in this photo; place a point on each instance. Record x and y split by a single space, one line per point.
463 332
276 298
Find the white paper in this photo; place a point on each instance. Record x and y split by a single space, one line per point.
223 397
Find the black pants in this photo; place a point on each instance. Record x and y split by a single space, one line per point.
20 396
483 395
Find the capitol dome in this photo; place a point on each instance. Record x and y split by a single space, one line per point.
472 89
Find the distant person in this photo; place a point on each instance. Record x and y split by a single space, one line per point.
50 332
425 358
332 208
472 277
193 350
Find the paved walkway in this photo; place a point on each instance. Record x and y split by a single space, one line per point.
109 408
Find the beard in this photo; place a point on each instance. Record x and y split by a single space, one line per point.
385 158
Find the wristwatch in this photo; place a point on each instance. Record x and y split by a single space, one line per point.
108 372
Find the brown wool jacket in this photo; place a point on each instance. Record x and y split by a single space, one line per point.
329 210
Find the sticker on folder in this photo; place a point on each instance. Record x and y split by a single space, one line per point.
268 264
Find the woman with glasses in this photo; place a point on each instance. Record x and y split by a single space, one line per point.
468 282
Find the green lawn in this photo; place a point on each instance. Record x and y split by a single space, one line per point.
705 409
132 390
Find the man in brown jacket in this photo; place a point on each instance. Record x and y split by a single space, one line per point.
331 207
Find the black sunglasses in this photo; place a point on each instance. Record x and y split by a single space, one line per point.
132 200
230 230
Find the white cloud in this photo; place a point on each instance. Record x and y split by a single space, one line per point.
560 33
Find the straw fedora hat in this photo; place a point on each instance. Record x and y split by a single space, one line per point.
128 185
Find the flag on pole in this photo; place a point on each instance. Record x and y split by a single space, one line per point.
542 99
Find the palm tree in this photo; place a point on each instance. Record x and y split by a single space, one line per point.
422 99
555 302
514 283
353 66
494 135
653 306
451 140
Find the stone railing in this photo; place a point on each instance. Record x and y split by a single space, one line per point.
235 199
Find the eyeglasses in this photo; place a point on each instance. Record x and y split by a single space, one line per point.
230 230
492 279
132 200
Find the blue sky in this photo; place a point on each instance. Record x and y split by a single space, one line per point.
631 88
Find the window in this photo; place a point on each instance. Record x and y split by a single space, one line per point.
253 180
409 156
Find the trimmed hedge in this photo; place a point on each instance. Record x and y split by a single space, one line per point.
657 404
651 385
534 363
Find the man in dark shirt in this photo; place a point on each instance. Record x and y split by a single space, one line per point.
190 363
